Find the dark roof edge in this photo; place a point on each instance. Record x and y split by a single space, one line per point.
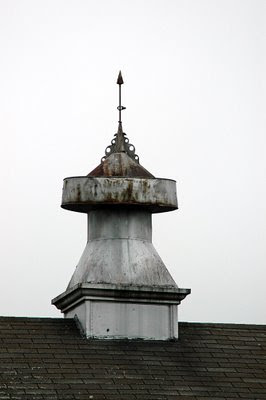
222 325
13 317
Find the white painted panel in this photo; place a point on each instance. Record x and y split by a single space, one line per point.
117 320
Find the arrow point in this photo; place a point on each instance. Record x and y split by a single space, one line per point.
120 79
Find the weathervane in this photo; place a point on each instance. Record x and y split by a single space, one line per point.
120 144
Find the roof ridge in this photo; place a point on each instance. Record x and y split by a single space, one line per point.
222 324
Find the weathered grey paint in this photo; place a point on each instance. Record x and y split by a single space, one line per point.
119 292
119 251
118 320
121 287
85 193
123 311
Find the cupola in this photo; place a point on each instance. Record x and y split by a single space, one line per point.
121 287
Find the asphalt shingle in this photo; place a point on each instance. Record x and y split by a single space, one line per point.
47 358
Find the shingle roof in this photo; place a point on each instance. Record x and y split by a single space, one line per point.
47 358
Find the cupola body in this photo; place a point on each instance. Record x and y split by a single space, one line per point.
121 288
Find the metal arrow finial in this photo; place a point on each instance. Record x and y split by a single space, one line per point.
120 79
120 143
120 107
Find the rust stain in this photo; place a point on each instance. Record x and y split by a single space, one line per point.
120 164
85 194
95 189
78 193
128 192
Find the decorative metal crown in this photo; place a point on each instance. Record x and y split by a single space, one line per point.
120 144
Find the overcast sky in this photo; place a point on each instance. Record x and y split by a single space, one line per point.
195 94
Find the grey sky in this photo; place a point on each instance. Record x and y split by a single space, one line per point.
194 75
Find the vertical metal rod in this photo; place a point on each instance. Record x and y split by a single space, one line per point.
120 104
120 107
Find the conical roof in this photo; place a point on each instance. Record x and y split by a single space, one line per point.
120 160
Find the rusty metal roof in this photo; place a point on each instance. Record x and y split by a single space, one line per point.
120 164
120 159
